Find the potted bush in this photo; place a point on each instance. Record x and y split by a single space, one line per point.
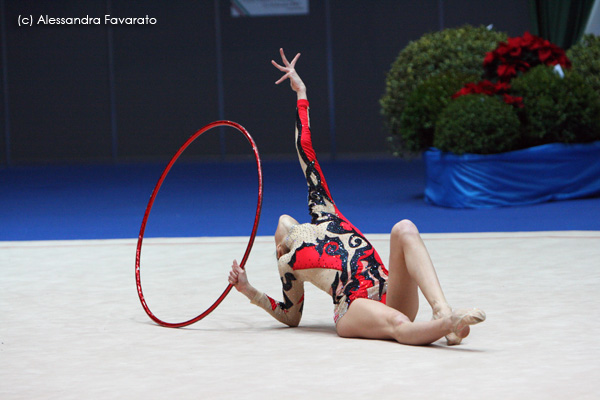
456 51
585 57
526 131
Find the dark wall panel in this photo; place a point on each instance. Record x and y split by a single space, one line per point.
58 84
252 99
510 16
3 157
165 75
367 38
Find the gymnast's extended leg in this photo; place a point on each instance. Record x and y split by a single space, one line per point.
410 268
371 319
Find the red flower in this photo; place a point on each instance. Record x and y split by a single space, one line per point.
502 86
564 61
544 54
515 52
502 49
528 40
487 87
514 45
519 54
461 92
489 58
538 43
516 101
506 71
491 89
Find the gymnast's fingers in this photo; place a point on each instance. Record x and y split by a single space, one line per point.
233 273
233 277
283 57
283 78
238 270
279 67
293 63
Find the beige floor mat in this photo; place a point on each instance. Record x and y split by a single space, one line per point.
71 325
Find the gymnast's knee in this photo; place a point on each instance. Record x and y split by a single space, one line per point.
404 229
398 319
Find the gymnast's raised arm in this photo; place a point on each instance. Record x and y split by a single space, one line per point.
320 203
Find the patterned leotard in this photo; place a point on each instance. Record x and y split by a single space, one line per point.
329 252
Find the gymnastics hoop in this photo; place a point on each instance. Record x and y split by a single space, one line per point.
151 202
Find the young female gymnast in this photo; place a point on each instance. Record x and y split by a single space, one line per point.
331 253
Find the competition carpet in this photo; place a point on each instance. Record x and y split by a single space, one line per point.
71 325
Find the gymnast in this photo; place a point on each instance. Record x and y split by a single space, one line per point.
331 253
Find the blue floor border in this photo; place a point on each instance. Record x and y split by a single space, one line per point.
219 199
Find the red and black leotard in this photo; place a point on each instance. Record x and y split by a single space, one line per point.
329 251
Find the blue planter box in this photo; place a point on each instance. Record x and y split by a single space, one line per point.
538 174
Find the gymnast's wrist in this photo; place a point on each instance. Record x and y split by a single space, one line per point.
255 296
250 292
301 94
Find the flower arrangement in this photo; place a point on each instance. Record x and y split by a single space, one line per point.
516 100
519 54
454 51
510 59
550 106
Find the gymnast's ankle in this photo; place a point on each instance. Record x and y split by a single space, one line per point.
441 310
453 338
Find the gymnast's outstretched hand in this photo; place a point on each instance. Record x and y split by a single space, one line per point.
290 72
237 277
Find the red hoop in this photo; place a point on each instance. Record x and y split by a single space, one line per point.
151 202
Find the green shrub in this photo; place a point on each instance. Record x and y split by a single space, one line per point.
557 109
424 106
479 124
585 58
459 50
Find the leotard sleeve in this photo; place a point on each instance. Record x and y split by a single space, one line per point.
320 202
289 311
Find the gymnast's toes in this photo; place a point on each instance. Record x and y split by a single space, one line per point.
464 317
461 319
456 338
